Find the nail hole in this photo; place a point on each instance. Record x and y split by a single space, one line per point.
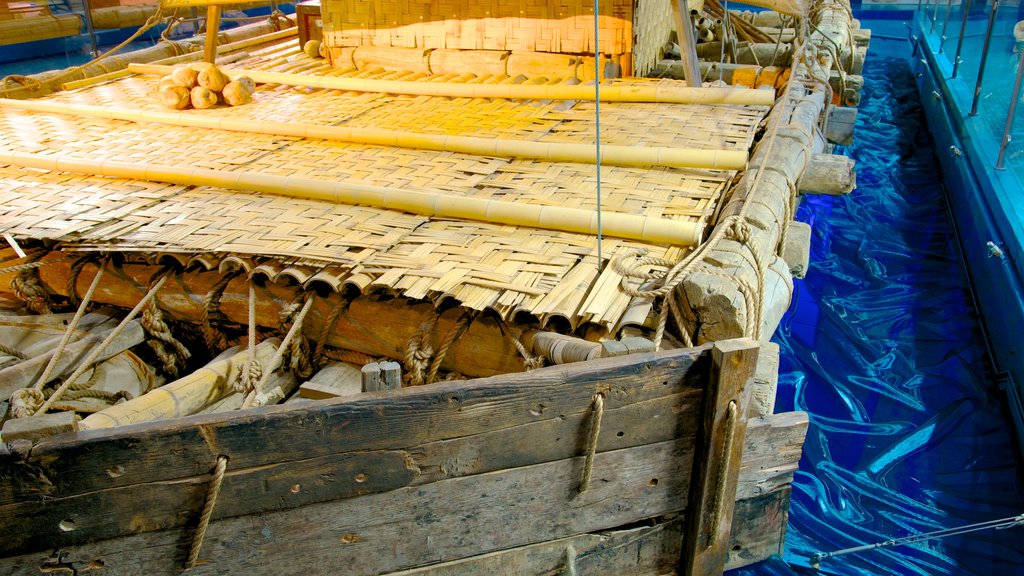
737 548
360 478
620 434
115 471
66 525
296 488
653 482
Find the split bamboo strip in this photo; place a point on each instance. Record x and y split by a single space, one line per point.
615 155
190 57
425 203
653 93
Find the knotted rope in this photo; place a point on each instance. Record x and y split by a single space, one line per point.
204 518
28 289
456 332
27 401
278 358
210 312
98 350
592 435
418 352
172 353
530 362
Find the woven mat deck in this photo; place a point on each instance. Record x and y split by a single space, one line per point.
506 268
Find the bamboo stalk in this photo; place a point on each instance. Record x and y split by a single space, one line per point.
658 93
614 155
425 203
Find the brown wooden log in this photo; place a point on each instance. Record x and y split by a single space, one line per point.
370 324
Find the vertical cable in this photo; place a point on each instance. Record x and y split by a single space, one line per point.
597 123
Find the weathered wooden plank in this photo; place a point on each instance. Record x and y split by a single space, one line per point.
414 526
37 427
68 465
718 452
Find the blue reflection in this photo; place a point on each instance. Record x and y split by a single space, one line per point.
883 349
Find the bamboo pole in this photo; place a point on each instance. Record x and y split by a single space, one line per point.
190 57
614 155
183 397
425 203
658 93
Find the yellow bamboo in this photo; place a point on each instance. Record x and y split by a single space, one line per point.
190 57
656 93
613 155
182 397
426 203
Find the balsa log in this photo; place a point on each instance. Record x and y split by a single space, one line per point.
612 93
425 203
182 397
614 155
829 174
379 328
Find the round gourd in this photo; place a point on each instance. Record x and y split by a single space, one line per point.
174 96
166 81
203 98
236 94
185 76
199 66
247 82
312 48
213 79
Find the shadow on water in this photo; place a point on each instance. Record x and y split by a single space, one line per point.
883 348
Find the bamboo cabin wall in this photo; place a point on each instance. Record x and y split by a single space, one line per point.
564 27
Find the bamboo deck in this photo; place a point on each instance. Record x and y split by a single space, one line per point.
508 269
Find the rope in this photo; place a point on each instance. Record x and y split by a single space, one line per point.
252 372
275 362
91 359
418 351
530 362
204 519
72 285
723 472
350 356
215 339
456 332
28 289
319 354
591 448
298 352
168 349
13 352
31 265
107 395
570 560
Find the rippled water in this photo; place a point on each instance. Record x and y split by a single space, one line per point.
883 349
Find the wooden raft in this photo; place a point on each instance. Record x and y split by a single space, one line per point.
425 476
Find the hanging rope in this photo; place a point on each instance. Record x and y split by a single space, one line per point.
418 351
204 518
98 350
456 332
278 358
1001 524
718 501
319 354
252 372
298 348
210 313
171 353
591 449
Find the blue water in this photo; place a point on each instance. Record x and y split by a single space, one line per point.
884 351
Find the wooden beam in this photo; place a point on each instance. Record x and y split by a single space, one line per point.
719 450
212 32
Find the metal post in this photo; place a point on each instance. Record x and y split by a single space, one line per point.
984 57
960 41
935 16
1011 112
94 52
945 24
687 45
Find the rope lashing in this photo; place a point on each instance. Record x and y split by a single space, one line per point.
72 285
168 349
252 372
27 288
530 362
98 350
210 312
418 351
282 349
456 332
350 356
592 435
27 401
204 518
320 353
298 353
718 501
32 265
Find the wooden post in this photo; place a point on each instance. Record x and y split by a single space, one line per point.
719 448
212 30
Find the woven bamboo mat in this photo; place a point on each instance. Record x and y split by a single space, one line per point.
509 269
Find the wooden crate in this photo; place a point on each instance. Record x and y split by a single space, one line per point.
309 21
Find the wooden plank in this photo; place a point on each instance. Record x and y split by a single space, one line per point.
37 427
414 526
718 451
68 465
